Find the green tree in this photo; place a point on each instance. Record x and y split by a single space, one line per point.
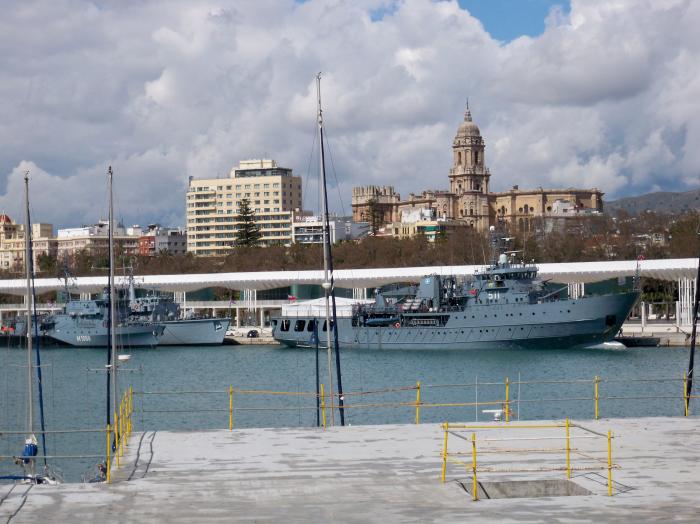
375 217
248 231
46 263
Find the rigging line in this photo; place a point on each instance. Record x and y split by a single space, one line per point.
307 176
24 500
335 174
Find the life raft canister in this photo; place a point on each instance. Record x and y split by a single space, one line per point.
30 451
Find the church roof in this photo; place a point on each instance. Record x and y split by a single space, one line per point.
468 127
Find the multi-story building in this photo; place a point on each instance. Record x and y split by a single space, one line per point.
157 239
94 239
469 202
309 229
213 205
12 244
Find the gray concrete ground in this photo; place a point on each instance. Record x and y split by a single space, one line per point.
375 474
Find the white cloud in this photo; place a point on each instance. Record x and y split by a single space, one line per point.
606 96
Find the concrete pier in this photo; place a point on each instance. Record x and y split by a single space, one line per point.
362 474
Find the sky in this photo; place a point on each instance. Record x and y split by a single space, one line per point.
567 94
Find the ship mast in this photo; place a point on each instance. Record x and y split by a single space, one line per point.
328 290
112 322
28 299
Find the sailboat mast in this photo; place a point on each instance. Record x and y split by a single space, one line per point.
326 246
28 299
112 299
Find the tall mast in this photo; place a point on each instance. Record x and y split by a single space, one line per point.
28 299
112 299
329 292
326 246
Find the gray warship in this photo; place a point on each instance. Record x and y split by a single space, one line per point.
179 330
85 323
503 306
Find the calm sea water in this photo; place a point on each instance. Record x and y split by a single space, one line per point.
74 388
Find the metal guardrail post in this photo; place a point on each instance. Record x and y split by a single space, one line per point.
475 494
610 490
445 427
109 453
230 408
323 406
685 394
116 437
568 449
507 403
120 444
596 396
131 406
418 402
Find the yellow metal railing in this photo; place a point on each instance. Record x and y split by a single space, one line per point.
587 460
119 432
117 436
369 400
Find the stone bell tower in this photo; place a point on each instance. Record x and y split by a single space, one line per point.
469 178
468 173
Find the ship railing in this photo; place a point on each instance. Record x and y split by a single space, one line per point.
564 448
110 443
492 400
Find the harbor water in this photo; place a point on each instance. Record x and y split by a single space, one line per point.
186 388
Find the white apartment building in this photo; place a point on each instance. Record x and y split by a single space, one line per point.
213 205
309 229
158 239
95 238
12 244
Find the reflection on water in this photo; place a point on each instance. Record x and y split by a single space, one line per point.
74 387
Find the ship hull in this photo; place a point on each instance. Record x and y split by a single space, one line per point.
197 332
96 335
560 324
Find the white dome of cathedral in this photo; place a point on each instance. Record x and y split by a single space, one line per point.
468 127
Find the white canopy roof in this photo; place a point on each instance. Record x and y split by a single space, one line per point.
317 307
664 269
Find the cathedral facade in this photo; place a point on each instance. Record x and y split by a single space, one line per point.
469 202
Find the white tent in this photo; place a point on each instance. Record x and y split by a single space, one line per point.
317 307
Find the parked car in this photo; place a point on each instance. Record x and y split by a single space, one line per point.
253 333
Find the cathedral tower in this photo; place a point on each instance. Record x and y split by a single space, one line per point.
469 178
468 173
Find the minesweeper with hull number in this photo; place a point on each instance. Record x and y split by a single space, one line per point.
503 306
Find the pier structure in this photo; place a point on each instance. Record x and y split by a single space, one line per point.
388 473
251 311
